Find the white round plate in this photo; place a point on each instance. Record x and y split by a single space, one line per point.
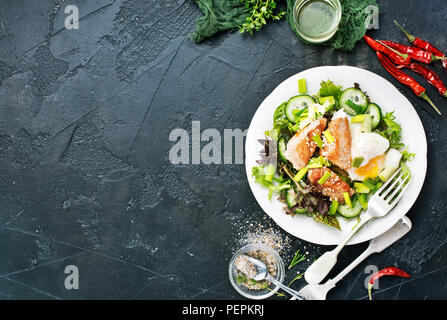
388 98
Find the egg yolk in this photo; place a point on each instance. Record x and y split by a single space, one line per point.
372 168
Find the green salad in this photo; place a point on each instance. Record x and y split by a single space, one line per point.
328 152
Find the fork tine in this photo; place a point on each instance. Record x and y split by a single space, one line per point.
386 184
394 185
398 188
393 203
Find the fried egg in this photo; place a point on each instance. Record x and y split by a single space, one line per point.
371 147
371 170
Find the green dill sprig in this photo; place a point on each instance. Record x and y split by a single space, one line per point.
298 276
242 278
259 12
297 258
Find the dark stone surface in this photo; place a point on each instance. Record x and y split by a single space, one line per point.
85 179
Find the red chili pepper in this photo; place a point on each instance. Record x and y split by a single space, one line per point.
391 271
414 52
405 79
396 57
428 75
418 42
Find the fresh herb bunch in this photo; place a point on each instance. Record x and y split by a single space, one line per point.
260 11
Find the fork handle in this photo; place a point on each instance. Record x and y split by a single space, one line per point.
367 217
365 254
285 288
324 264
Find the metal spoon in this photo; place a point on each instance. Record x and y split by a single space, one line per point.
262 273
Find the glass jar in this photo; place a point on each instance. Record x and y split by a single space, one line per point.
257 294
316 21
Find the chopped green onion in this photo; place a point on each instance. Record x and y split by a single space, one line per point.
370 184
314 165
295 127
324 161
387 173
328 136
367 124
363 201
333 208
358 119
300 175
270 172
302 87
318 162
354 106
347 199
330 99
318 141
324 178
357 162
378 185
327 102
361 188
298 112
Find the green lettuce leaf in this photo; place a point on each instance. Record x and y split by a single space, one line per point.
328 88
391 130
264 177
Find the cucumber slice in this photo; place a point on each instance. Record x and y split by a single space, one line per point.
291 197
348 212
367 124
376 114
282 148
297 103
355 107
356 96
301 210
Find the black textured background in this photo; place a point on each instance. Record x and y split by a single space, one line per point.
85 179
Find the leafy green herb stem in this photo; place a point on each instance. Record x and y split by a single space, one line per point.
260 11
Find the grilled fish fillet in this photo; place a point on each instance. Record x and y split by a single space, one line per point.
301 146
333 187
339 151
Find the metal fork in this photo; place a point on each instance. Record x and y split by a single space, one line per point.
378 206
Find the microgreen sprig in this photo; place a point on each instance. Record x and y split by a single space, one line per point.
297 277
260 11
297 258
242 278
